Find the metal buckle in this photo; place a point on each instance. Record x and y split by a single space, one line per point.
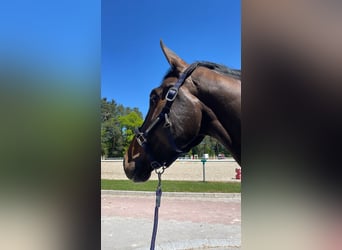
171 94
141 139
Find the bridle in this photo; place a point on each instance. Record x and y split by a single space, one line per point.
142 135
142 139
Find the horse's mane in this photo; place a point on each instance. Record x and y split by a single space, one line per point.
219 68
222 69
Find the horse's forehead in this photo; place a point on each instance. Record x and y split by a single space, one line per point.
156 91
171 80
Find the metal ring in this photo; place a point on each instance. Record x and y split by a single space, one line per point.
160 170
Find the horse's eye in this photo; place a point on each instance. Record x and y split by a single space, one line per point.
166 90
154 99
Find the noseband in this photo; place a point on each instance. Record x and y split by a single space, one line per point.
142 135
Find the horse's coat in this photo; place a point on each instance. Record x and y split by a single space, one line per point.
208 103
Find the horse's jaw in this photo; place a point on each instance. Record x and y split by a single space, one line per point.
134 170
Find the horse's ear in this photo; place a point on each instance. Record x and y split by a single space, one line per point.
174 60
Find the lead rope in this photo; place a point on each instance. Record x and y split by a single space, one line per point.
156 209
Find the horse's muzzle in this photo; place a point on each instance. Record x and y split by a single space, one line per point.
135 170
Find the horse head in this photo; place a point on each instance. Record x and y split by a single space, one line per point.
178 119
171 126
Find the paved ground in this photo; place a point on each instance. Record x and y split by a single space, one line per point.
186 221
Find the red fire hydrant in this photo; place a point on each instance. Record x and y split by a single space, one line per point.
238 173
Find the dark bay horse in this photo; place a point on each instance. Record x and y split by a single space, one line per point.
193 101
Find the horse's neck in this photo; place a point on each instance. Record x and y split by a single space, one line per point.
221 103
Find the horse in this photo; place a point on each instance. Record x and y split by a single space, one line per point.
193 101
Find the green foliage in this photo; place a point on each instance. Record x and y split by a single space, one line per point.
173 186
209 146
111 138
127 124
117 127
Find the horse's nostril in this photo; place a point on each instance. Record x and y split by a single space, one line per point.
128 168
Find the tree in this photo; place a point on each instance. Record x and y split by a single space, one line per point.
111 139
117 127
108 109
127 124
211 146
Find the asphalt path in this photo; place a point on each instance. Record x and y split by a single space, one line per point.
186 220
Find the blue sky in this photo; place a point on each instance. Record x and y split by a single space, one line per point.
55 36
132 61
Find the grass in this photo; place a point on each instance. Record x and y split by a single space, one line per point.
173 186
